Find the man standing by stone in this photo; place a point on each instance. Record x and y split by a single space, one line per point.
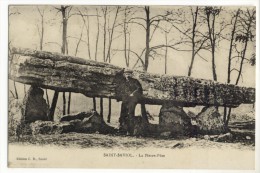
131 92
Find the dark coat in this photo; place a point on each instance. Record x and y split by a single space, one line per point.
128 87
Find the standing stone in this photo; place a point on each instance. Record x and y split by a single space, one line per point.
209 121
34 106
173 119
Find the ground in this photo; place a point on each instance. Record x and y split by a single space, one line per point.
76 150
80 140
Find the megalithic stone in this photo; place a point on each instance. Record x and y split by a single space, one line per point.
98 79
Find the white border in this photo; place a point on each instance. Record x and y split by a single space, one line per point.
3 67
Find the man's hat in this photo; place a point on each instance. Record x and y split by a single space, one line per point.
128 71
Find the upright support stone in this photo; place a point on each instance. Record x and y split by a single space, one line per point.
34 106
174 120
209 121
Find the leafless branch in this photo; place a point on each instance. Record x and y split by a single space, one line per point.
53 43
138 24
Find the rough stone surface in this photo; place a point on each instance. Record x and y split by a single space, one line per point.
14 115
34 106
228 137
209 121
93 122
140 126
166 134
50 127
175 120
96 79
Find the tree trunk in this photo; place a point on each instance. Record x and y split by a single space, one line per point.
109 110
242 62
97 35
64 30
214 65
47 97
24 87
193 41
228 117
94 104
64 45
69 100
15 91
53 106
143 112
111 37
147 38
101 107
227 112
64 103
88 42
211 30
166 54
231 46
105 34
42 34
125 39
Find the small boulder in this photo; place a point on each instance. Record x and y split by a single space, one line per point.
166 134
228 137
248 138
92 124
50 127
206 137
209 121
178 145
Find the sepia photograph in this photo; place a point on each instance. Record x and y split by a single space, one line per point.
132 86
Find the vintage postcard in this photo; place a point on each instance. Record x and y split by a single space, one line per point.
152 86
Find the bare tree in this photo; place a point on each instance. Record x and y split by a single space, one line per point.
76 52
166 31
108 57
196 37
232 39
214 36
12 12
127 13
96 51
104 10
41 35
247 22
65 14
97 37
65 10
242 33
166 52
150 24
85 18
